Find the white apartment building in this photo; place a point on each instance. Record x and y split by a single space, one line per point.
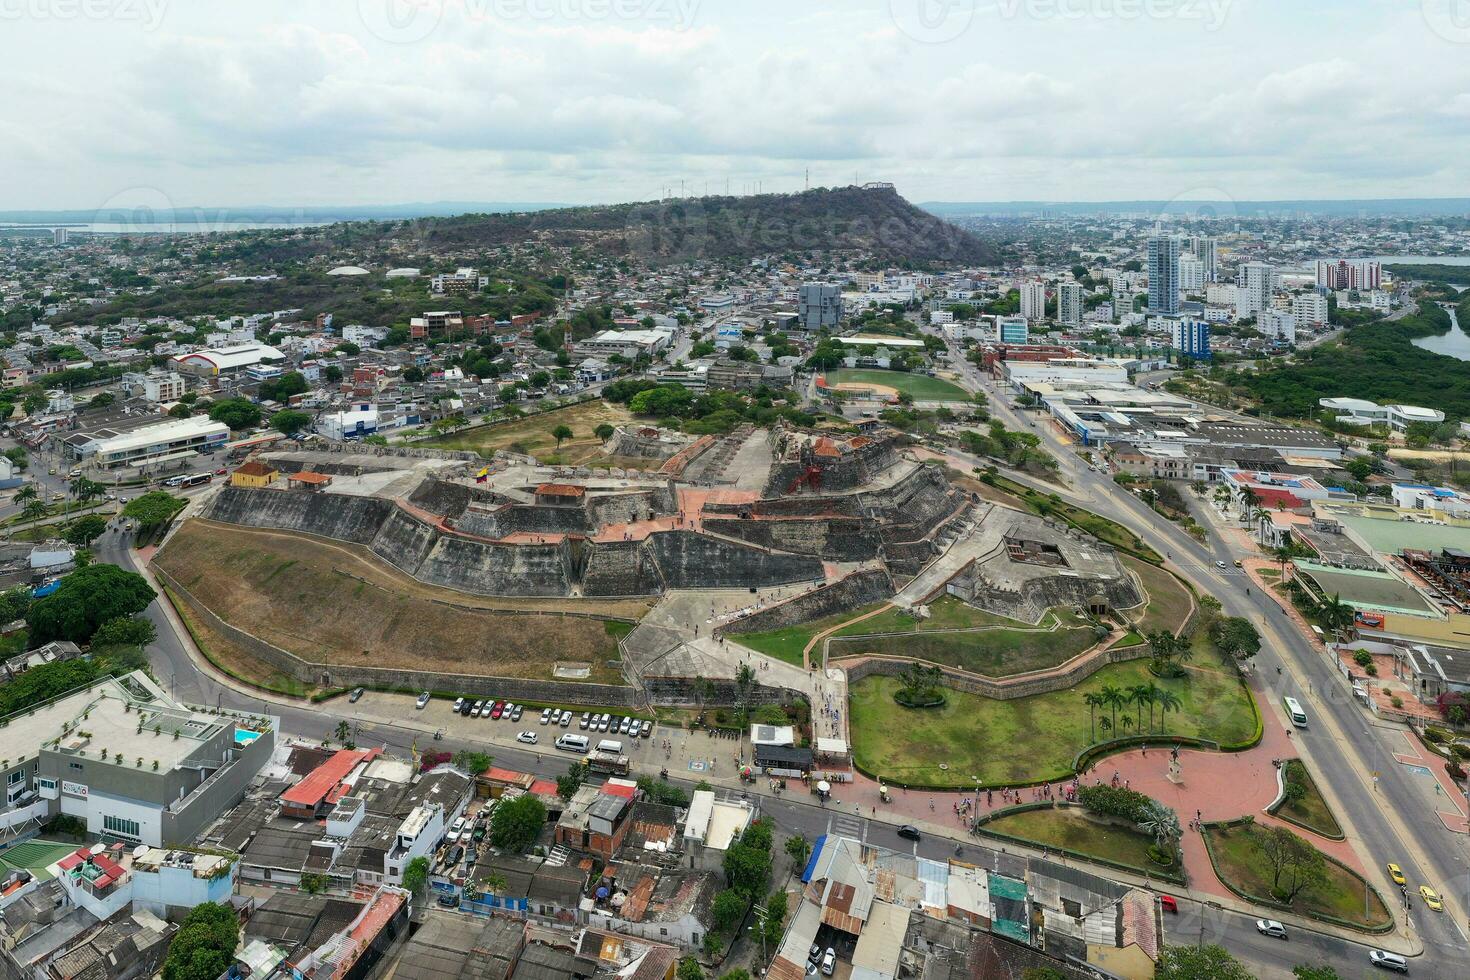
1253 286
1310 309
1277 325
1191 274
1033 300
163 387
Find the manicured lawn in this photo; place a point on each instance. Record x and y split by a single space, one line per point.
992 651
1026 739
1311 810
921 386
1238 861
945 613
1169 601
786 644
1069 829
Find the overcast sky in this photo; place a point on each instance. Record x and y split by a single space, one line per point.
303 102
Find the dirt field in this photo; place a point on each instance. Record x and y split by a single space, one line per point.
532 434
335 603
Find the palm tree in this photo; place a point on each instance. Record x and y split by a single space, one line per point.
1153 698
1139 694
1168 701
33 511
26 494
1337 614
1092 701
1111 696
1250 502
1161 823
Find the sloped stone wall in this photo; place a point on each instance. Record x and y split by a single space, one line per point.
330 515
857 589
617 568
687 560
834 539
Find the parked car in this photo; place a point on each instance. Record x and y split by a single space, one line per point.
355 696
1388 961
422 702
458 704
515 714
456 830
468 709
585 720
448 901
602 723
476 708
908 831
647 728
829 962
496 710
1270 927
530 738
545 716
566 719
623 726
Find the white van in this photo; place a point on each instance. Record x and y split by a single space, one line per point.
1294 712
610 745
572 743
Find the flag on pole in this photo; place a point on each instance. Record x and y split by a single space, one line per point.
483 475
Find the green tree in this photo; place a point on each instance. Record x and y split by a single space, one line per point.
567 785
86 599
204 945
416 876
747 862
34 511
313 883
289 421
125 631
85 490
237 413
1209 962
728 909
561 434
26 494
515 825
1236 636
1041 973
1336 614
153 508
798 849
1311 972
84 530
472 762
689 969
604 431
1295 865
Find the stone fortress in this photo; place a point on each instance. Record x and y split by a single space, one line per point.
517 527
754 530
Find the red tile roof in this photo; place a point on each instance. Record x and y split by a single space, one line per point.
305 476
1270 498
323 781
617 789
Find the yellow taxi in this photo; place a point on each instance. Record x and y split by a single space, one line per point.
1397 874
1430 898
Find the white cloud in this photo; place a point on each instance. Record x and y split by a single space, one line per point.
286 103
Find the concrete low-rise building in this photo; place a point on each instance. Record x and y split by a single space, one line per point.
224 361
1358 411
155 443
129 761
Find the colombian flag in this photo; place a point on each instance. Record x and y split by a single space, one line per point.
483 475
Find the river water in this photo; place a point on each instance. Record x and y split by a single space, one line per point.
1456 343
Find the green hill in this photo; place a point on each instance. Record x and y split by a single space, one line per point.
851 220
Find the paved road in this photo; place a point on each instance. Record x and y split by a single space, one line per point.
1340 741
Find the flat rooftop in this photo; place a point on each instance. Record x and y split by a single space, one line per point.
1369 590
113 726
1384 530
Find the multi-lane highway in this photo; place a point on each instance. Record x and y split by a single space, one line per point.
1393 819
1391 824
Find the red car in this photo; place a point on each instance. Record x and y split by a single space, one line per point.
221 471
495 711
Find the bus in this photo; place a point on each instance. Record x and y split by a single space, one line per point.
188 480
1294 712
608 762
